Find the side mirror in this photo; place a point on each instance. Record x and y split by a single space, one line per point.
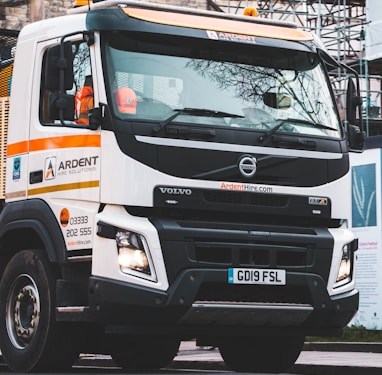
277 101
58 69
60 106
95 116
353 102
356 137
355 133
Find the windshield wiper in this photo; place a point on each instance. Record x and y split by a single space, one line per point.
193 112
268 134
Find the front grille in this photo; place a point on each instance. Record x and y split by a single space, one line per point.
219 292
203 245
242 198
253 255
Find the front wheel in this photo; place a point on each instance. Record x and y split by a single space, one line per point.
268 354
30 337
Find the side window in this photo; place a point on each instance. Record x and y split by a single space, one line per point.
81 91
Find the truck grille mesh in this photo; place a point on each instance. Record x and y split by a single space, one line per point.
263 255
8 40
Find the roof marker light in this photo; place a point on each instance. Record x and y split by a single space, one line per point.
80 3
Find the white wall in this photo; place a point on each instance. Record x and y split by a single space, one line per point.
366 223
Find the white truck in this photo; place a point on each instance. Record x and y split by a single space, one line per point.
205 196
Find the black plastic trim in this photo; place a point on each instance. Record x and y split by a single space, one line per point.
190 243
121 303
117 20
186 161
106 230
41 219
242 202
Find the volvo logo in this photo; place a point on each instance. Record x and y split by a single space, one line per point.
175 191
247 166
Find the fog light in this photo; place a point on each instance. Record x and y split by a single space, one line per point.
345 269
132 253
134 259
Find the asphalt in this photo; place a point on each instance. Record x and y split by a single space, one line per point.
315 359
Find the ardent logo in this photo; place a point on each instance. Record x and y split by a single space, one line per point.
248 166
175 191
50 168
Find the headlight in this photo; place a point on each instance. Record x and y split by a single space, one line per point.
133 254
345 270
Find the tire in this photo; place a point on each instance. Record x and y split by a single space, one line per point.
30 338
261 354
144 353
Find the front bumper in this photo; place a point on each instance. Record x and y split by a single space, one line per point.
201 300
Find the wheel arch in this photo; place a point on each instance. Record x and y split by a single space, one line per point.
30 224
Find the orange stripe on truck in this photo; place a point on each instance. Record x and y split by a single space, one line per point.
17 148
219 24
65 141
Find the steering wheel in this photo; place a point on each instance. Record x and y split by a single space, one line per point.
144 99
151 106
259 118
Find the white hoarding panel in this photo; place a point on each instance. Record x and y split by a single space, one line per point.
366 224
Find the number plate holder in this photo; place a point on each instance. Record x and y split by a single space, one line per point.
256 276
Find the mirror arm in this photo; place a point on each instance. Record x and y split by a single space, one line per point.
357 100
62 65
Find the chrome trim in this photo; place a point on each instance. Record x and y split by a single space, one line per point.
71 309
250 313
76 259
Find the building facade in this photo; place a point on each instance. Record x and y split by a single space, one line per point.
14 14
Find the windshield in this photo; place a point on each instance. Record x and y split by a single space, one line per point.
202 83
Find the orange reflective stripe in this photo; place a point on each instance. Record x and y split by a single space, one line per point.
66 141
18 148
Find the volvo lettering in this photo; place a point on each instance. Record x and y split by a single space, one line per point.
175 191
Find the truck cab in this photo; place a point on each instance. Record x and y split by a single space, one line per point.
173 174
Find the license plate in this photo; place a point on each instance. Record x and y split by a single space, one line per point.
256 276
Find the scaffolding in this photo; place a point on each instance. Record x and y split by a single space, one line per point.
341 25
